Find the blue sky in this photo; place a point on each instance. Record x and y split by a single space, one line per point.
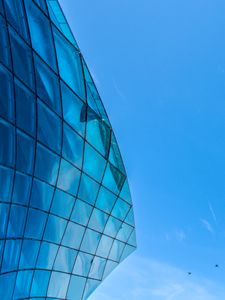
159 66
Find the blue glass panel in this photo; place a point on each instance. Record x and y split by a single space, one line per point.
88 189
76 287
11 255
124 232
36 221
91 285
42 195
4 211
90 241
112 227
25 152
69 177
132 240
98 220
47 85
41 35
74 110
4 42
125 193
120 209
105 200
42 4
72 146
62 204
16 225
113 179
7 145
110 266
22 59
16 16
6 183
7 280
29 254
58 285
115 156
1 7
81 212
83 264
97 268
23 283
40 283
7 94
117 250
94 163
47 255
47 164
127 251
49 127
55 229
22 188
25 108
70 67
104 246
76 231
65 259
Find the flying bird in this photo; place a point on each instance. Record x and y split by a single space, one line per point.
216 266
189 273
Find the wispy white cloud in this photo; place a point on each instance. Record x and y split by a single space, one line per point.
180 235
207 225
212 212
149 279
119 91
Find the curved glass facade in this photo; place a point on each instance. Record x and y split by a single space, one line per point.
66 216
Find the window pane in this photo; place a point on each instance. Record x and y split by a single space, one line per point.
55 229
83 264
105 200
29 254
22 59
69 62
7 145
42 194
72 146
120 209
73 235
22 188
25 108
58 285
47 164
40 283
7 94
65 259
6 183
116 251
62 204
41 35
113 179
47 85
90 241
23 282
88 189
4 211
47 255
16 225
98 220
104 246
11 255
76 287
49 127
4 42
16 16
35 224
112 227
7 280
81 212
25 153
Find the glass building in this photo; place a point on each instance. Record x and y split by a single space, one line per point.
66 216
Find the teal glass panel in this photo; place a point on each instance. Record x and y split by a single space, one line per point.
125 193
83 264
42 194
98 220
16 16
70 67
35 226
58 285
105 200
22 59
62 204
40 32
4 41
94 163
69 177
97 268
127 251
76 287
25 108
81 212
40 283
22 188
88 189
120 209
4 212
49 127
90 241
23 283
25 152
112 227
74 110
47 255
7 93
55 229
104 246
116 251
91 285
65 259
72 146
47 164
124 232
115 156
132 240
6 183
11 256
113 179
73 235
29 254
7 145
110 266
